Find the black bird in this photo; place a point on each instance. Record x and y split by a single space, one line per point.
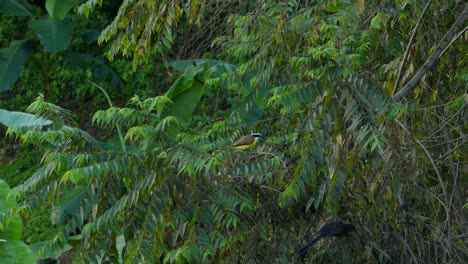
332 229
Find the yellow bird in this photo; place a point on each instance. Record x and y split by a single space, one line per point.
247 142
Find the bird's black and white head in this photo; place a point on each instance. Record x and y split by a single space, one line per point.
256 135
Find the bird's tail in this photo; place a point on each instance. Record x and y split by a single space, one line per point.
304 248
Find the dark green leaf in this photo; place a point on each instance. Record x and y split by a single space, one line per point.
15 227
15 8
20 119
101 69
12 61
15 252
68 205
57 9
55 35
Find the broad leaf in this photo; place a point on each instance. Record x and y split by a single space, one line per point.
184 94
5 201
13 251
15 8
101 69
217 65
68 205
12 60
20 119
55 35
57 9
15 226
187 91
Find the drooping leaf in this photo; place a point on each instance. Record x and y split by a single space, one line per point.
68 205
120 244
12 61
184 94
20 119
187 91
57 9
15 8
53 254
54 34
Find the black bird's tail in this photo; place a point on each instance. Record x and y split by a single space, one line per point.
304 248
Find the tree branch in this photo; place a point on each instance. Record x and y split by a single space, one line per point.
408 49
453 40
430 62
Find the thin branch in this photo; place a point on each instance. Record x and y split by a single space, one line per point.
430 62
408 49
446 122
453 40
117 125
270 188
441 181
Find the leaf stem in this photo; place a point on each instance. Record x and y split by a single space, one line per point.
117 125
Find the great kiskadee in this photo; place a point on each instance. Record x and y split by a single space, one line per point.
247 142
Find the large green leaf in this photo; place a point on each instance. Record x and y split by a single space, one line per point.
12 61
187 90
5 202
15 227
15 8
101 69
57 9
20 119
217 67
68 205
16 252
184 94
54 34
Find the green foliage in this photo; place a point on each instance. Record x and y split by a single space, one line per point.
59 9
17 170
18 119
15 251
68 205
54 30
12 249
16 8
55 35
316 79
12 61
150 20
14 227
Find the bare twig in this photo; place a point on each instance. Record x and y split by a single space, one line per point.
408 49
270 188
440 127
453 40
441 181
430 62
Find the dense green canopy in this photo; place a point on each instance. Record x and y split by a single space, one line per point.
361 103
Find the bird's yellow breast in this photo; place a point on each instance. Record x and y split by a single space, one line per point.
243 147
